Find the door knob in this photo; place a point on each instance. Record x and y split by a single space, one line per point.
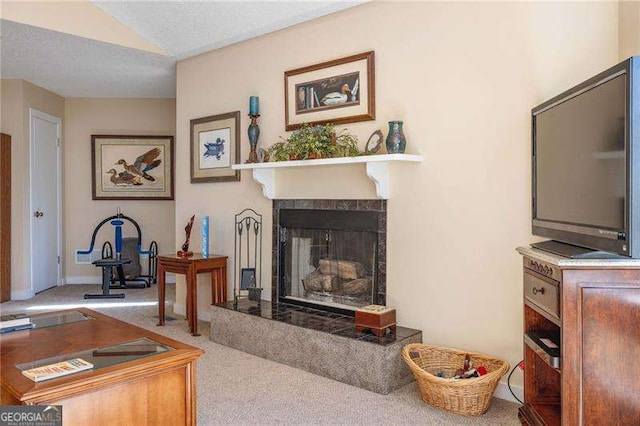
38 214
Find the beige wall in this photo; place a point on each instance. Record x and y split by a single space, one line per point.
11 123
79 17
18 97
11 112
629 31
84 117
81 118
464 78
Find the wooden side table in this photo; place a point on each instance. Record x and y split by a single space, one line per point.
191 267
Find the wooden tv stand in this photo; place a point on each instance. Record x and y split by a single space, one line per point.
594 305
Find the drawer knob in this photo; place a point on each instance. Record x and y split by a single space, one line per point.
538 290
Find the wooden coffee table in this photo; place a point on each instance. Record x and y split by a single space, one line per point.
154 389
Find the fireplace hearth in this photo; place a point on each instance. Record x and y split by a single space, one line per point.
320 342
330 254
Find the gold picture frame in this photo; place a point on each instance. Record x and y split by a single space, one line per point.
337 92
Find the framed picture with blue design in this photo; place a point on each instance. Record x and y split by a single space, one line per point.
215 147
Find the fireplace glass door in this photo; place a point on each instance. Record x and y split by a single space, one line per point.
335 268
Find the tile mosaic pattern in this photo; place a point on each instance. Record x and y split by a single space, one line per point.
379 206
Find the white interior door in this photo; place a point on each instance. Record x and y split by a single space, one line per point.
45 200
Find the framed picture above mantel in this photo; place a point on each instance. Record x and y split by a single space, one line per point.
338 91
127 167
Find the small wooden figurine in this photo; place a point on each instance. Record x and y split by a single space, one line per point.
185 247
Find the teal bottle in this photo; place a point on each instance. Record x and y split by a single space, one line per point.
396 141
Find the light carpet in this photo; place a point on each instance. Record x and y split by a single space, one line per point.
234 387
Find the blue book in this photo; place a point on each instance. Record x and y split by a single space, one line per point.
16 328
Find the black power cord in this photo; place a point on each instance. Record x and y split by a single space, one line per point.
509 381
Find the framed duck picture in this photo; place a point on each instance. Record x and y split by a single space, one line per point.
338 91
132 167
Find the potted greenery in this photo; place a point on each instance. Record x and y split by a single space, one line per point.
312 142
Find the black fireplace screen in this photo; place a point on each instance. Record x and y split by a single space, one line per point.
329 260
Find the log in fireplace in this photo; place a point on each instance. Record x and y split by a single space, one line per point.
330 254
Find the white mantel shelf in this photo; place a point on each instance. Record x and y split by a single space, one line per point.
377 168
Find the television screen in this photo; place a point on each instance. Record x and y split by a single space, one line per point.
580 161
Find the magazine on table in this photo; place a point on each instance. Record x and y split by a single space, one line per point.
57 369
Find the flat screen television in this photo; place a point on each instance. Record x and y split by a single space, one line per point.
586 166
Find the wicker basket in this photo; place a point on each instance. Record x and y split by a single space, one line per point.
470 397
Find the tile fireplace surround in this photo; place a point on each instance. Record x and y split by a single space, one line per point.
316 340
378 207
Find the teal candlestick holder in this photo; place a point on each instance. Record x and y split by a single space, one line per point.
254 134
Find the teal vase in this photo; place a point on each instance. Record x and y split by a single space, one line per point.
396 142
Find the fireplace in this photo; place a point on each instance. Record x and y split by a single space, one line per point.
330 254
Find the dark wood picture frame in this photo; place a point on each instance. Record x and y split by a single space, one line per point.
247 278
155 179
204 129
304 88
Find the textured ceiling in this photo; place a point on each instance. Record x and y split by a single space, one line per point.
74 66
185 29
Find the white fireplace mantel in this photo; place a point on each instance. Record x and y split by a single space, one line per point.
377 168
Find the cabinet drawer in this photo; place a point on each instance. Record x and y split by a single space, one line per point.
542 294
543 268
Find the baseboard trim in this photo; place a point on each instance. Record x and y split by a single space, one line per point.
83 280
180 309
98 280
22 294
502 392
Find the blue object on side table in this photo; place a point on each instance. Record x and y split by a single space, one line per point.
205 236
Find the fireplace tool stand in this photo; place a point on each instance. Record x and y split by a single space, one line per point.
247 268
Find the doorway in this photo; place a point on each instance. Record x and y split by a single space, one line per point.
45 195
